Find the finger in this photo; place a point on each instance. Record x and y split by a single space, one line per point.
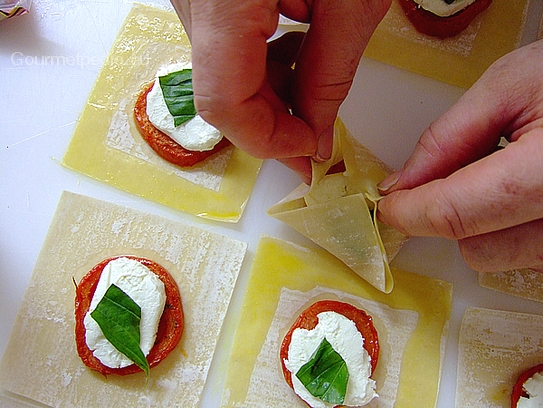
328 59
495 106
263 127
500 191
285 49
182 8
464 134
282 54
300 165
230 83
513 248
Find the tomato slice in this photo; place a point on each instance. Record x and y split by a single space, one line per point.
518 389
308 320
164 145
428 23
170 327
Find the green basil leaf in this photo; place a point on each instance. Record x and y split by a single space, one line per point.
325 375
119 319
178 94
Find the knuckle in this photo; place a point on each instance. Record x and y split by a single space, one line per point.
434 146
446 219
477 254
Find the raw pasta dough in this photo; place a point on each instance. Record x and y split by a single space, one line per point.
107 145
494 348
338 213
41 362
285 278
524 283
459 60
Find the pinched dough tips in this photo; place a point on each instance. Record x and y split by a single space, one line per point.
338 211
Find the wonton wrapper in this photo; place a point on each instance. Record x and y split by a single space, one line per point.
495 347
523 283
458 60
107 145
338 211
41 361
412 322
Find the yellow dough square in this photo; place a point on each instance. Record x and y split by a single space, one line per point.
41 361
458 60
494 348
107 145
523 283
412 322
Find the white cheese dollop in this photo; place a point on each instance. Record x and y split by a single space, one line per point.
196 134
442 9
534 388
346 340
146 289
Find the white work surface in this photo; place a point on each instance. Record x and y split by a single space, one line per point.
41 101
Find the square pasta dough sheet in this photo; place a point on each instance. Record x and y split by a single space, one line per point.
458 60
412 322
106 144
41 362
495 347
523 283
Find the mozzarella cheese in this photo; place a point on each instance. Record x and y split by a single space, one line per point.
195 134
346 340
146 289
442 9
534 388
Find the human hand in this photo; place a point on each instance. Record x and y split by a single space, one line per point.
458 184
245 86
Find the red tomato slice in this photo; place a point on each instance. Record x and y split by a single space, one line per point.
428 23
518 389
164 145
308 320
170 327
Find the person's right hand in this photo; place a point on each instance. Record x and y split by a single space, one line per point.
245 88
457 183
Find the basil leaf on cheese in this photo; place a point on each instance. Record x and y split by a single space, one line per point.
325 375
178 95
119 319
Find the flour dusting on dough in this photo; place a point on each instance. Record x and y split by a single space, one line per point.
123 135
85 231
524 283
397 23
494 348
119 136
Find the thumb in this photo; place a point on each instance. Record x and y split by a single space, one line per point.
182 8
502 102
328 60
499 191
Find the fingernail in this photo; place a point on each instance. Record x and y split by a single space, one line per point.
325 144
390 181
